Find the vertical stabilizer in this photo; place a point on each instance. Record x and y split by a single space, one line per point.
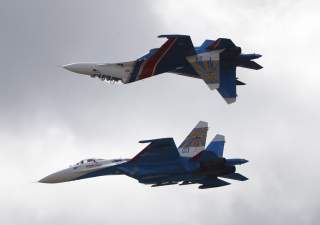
217 145
195 142
207 66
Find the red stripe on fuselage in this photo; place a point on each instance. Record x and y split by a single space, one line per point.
150 65
214 45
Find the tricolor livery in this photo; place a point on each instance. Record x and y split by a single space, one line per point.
162 163
215 62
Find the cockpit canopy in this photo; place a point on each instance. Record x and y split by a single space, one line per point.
116 160
87 161
93 161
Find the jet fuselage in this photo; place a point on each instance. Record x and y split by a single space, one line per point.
161 162
215 62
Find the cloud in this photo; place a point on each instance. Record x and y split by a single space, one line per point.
51 118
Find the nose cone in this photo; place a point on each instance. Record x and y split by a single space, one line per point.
58 177
82 68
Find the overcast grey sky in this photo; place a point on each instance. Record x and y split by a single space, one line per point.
51 118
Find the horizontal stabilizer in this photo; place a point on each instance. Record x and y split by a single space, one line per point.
238 82
212 183
235 176
250 65
234 162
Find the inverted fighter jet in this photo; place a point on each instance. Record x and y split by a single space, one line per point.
162 163
214 62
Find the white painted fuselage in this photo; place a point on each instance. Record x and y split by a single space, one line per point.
107 71
84 168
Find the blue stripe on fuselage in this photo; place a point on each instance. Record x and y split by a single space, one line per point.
112 170
135 70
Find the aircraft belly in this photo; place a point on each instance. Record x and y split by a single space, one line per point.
121 71
161 178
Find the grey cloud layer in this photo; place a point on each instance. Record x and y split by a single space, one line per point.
51 118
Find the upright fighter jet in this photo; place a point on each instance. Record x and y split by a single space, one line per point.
162 163
215 62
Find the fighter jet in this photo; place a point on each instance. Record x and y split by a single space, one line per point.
215 62
162 163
